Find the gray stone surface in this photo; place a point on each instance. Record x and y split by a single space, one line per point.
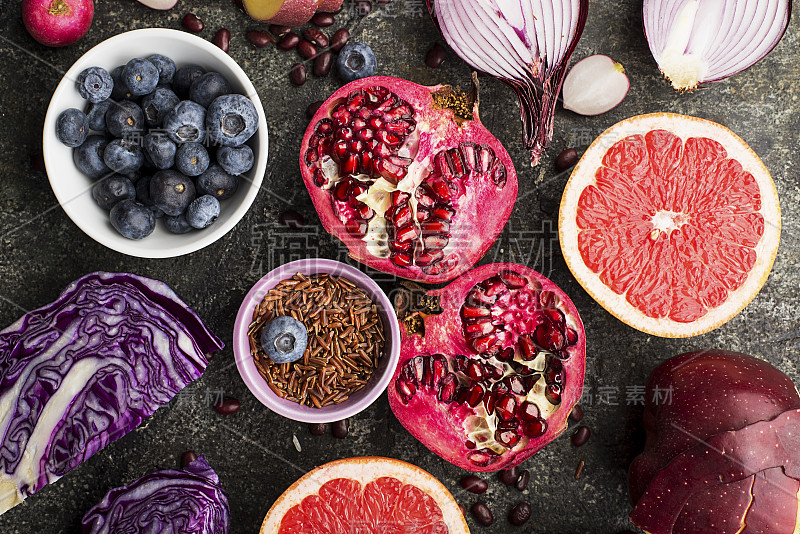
41 251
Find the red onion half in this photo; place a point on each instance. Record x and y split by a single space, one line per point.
526 44
697 41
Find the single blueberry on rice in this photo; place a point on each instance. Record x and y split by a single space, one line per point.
284 339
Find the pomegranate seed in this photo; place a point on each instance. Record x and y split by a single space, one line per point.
485 344
356 228
483 457
548 299
527 347
319 178
223 39
402 260
472 311
403 217
489 401
479 328
339 39
475 370
474 484
581 436
400 247
447 388
505 407
498 174
461 395
323 20
493 286
475 395
428 258
325 126
460 363
470 444
528 411
259 38
485 159
477 297
406 390
509 476
515 384
418 367
506 355
494 371
566 159
534 429
549 337
512 280
553 393
507 438
193 23
188 457
572 337
577 413
407 233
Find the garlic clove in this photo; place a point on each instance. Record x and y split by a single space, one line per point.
594 85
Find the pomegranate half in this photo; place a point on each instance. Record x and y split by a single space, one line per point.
408 177
490 366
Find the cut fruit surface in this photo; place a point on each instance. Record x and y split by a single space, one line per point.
671 223
287 12
365 495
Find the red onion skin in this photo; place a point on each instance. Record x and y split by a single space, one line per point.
43 22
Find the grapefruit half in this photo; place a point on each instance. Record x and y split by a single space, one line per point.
365 496
671 223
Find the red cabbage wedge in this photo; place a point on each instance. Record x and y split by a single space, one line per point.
185 501
526 44
86 369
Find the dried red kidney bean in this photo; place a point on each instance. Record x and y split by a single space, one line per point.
339 39
292 219
474 484
298 74
278 30
322 63
340 428
519 514
37 163
482 514
317 429
259 38
188 457
307 50
227 406
192 23
313 107
316 37
581 436
435 56
566 159
323 20
522 481
509 476
383 2
463 510
577 413
289 41
223 39
363 7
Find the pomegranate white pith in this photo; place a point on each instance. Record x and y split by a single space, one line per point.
407 177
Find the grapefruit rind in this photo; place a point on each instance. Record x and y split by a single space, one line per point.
684 127
365 470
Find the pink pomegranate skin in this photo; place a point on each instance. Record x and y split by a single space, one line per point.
57 22
481 201
444 427
705 396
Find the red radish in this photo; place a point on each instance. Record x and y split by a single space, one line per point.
57 22
286 12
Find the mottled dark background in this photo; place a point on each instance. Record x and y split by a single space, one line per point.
41 251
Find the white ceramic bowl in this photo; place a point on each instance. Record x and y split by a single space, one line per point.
73 189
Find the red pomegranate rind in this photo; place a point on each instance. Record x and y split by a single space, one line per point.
446 407
705 210
409 186
722 459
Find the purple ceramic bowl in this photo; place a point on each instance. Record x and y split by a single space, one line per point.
356 402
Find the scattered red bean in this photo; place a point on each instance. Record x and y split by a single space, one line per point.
435 56
316 37
317 429
298 74
279 31
227 406
339 39
323 20
566 159
341 428
482 514
520 514
37 163
289 41
192 23
579 470
313 107
188 457
474 484
522 481
307 50
363 7
322 63
260 38
577 413
383 2
292 219
223 39
463 510
509 476
581 436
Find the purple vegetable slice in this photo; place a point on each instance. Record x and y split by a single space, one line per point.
87 369
185 501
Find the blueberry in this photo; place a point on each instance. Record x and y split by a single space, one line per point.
202 212
124 118
217 183
140 76
159 150
177 224
171 191
97 115
231 120
120 91
123 156
157 104
165 67
143 195
236 160
132 219
95 84
184 77
208 87
284 339
356 60
89 157
186 122
108 191
72 127
192 159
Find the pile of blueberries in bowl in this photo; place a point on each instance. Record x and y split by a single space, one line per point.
161 142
